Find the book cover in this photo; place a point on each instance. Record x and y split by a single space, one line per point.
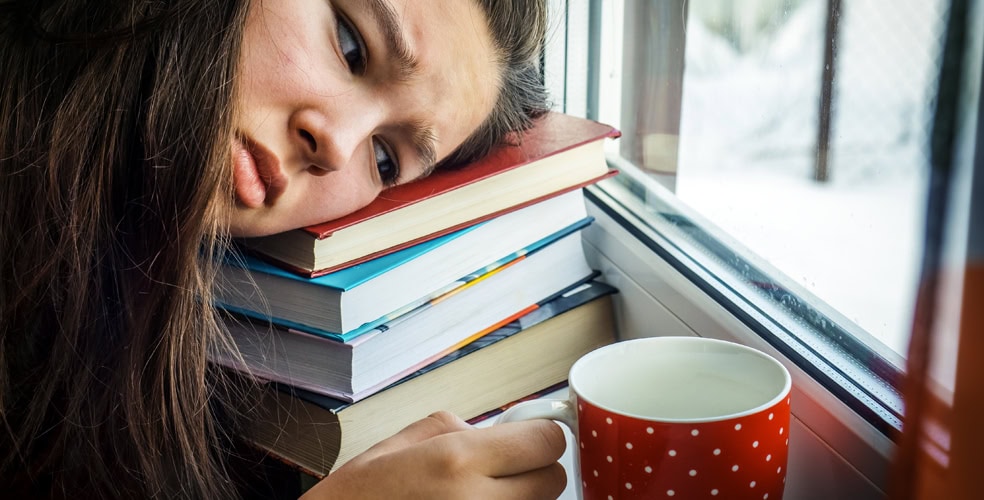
351 277
556 134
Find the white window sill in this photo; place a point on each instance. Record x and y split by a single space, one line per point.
834 452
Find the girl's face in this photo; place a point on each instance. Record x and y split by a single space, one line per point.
341 99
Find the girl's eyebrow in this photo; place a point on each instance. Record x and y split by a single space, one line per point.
396 40
407 67
423 139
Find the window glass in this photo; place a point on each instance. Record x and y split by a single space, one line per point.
786 144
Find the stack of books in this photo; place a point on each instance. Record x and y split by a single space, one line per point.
464 291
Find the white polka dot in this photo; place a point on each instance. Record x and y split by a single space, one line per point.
755 444
770 416
608 420
628 445
765 496
610 497
717 451
768 457
714 492
670 493
734 468
780 431
648 469
751 484
628 486
672 453
585 483
609 457
783 479
693 472
582 444
649 430
787 442
737 427
694 432
581 408
596 473
594 433
778 470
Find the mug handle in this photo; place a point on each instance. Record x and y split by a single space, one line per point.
561 410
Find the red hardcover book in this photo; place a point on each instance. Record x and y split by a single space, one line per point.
559 154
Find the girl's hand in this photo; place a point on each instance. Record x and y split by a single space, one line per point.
442 457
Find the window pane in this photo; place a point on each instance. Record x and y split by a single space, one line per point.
781 147
725 104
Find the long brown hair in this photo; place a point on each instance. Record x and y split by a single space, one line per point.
114 177
115 117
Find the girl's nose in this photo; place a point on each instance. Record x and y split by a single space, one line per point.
326 145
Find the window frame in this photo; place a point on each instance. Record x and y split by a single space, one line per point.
662 293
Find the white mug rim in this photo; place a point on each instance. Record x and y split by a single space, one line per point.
787 382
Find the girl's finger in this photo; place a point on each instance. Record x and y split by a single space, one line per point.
433 425
514 447
546 482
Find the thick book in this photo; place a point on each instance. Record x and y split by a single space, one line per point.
559 154
355 369
368 294
318 434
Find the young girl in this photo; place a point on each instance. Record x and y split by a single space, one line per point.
138 136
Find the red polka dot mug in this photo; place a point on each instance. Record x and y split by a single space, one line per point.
674 417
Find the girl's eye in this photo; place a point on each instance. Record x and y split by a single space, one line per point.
386 164
351 44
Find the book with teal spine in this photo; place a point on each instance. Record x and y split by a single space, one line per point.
351 301
458 285
358 367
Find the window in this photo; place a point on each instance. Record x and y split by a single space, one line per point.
779 151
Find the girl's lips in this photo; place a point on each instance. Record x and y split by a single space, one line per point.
257 176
